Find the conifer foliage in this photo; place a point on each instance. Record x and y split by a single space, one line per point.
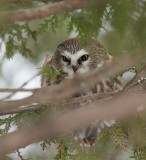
119 25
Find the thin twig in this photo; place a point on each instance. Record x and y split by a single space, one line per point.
136 78
19 155
14 90
23 85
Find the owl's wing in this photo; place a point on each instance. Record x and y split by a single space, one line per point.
87 136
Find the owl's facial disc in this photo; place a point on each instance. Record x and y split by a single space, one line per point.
76 63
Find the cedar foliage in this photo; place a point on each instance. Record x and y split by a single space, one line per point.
120 25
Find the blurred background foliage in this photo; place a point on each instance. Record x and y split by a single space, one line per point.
119 24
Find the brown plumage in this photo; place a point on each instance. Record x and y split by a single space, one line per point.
76 57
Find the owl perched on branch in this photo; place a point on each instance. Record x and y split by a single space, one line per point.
78 57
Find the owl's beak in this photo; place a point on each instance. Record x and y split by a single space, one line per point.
75 68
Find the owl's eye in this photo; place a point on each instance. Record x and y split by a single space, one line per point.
65 59
84 57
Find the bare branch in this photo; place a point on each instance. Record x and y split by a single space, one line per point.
136 78
47 10
79 101
19 155
84 99
64 123
16 90
57 92
23 85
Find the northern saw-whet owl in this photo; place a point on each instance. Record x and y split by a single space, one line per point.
75 57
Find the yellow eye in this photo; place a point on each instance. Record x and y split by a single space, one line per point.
84 57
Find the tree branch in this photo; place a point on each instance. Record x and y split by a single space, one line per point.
100 97
21 86
16 90
47 10
57 92
136 78
79 102
64 123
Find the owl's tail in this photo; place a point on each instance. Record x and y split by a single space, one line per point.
86 137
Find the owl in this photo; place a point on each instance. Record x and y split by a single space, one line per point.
78 57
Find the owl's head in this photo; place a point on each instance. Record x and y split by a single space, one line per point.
77 57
